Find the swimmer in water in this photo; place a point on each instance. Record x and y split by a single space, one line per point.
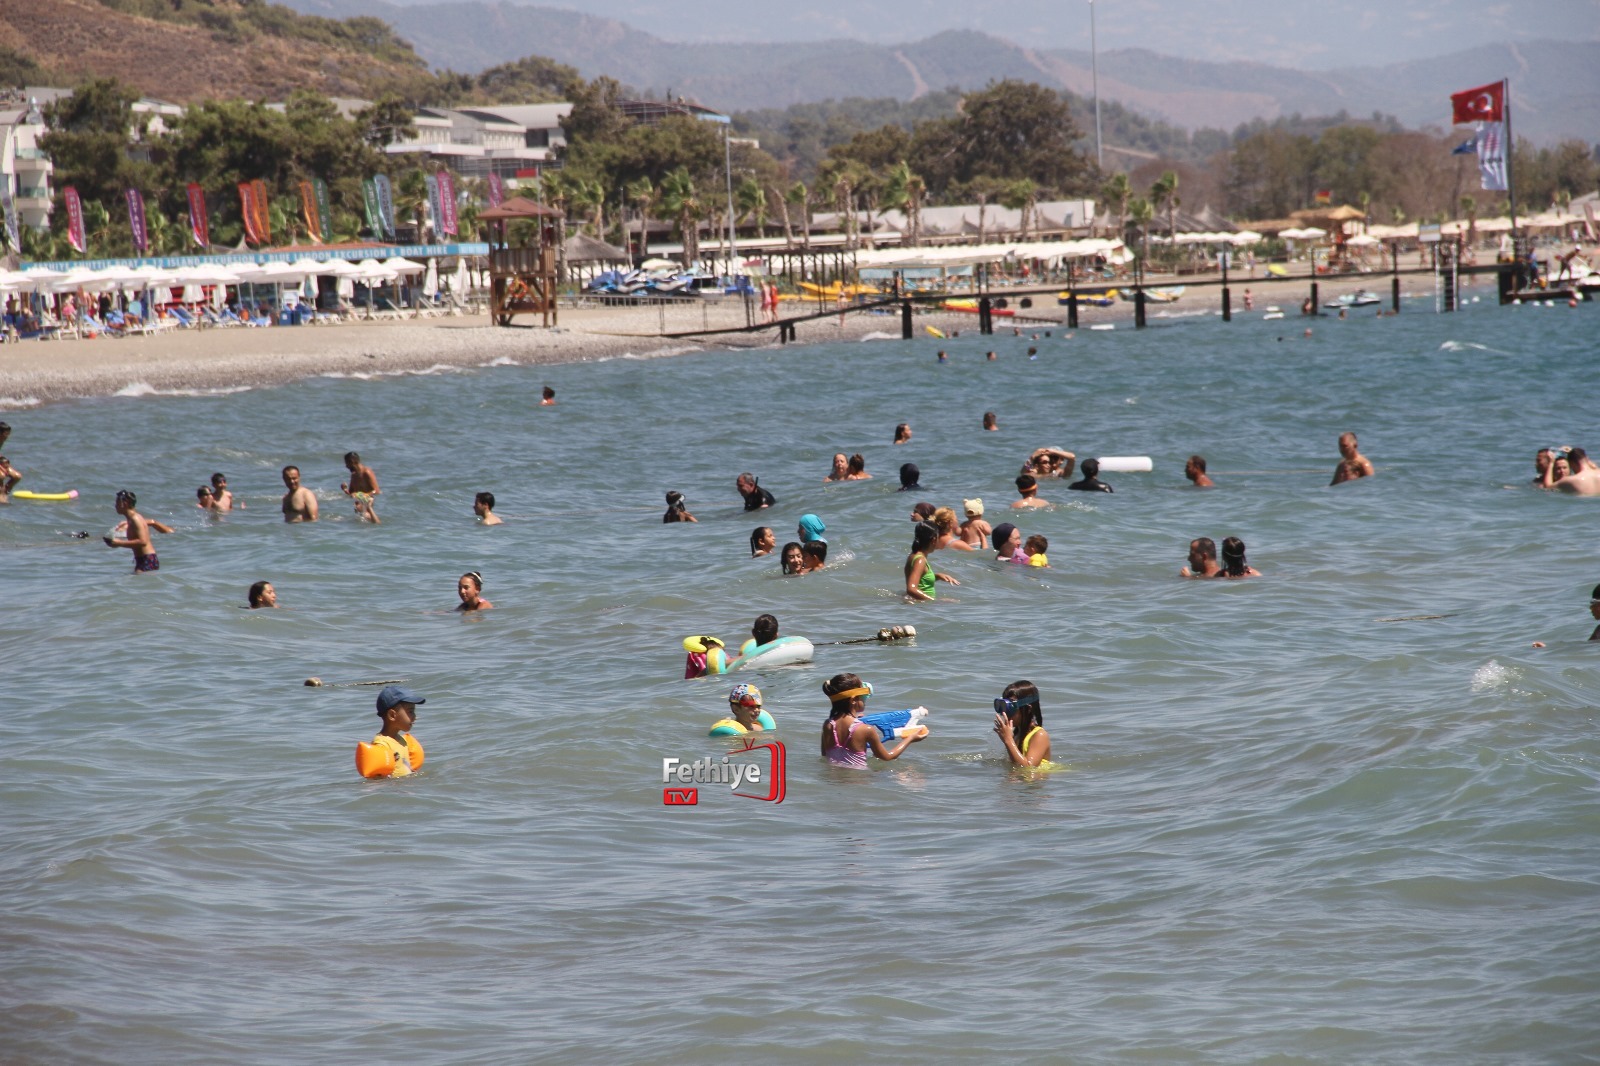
262 594
762 541
1019 723
1594 612
944 520
204 500
677 510
744 712
1007 541
811 528
299 503
397 706
921 580
1035 549
1352 464
138 534
1584 478
910 477
470 589
549 399
902 433
1028 485
764 630
791 559
975 530
942 358
841 468
814 555
362 487
923 511
1195 471
483 507
1091 478
1233 562
1541 464
990 422
755 497
857 470
219 490
846 740
1202 559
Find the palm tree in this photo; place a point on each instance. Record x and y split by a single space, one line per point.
799 196
916 192
413 196
641 194
1165 193
1020 195
678 200
1140 212
1116 192
751 200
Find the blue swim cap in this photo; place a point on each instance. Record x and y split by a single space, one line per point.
811 528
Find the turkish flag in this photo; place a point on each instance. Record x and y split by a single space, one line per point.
1486 103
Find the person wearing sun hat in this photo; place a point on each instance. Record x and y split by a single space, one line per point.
975 530
746 714
394 752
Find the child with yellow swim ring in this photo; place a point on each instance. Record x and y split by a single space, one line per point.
1019 722
746 714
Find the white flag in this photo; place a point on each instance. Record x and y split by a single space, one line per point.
1492 155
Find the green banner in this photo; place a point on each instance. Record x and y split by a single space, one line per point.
369 198
324 212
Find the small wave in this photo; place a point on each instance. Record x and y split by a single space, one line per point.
9 402
1461 346
501 360
144 388
880 335
1492 675
683 350
366 375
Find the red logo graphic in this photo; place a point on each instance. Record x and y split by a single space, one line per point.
775 775
680 797
754 771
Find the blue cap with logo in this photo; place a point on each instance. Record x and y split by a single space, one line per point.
393 694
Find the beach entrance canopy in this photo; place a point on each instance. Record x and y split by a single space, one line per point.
518 207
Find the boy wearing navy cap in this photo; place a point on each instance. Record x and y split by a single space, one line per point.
397 706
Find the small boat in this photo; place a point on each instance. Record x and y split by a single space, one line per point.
1092 299
1153 296
1359 298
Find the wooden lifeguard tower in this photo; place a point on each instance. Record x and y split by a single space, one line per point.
522 280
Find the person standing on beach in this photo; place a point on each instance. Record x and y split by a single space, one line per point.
1352 464
361 488
299 503
138 538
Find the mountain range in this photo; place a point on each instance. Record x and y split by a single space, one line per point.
1555 84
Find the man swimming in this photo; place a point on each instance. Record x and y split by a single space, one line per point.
1584 479
1352 464
1195 471
299 503
1202 559
483 507
755 497
1029 487
1091 478
362 487
138 538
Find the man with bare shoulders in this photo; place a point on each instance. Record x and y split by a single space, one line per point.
362 487
1352 463
1584 478
137 534
220 493
1028 485
976 529
1195 471
1202 559
299 503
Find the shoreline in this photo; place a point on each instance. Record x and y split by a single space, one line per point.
218 361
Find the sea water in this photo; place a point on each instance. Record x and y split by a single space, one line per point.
1289 828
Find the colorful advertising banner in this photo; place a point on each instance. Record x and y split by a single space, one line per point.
199 224
435 212
136 221
324 209
385 204
497 190
308 210
263 210
447 202
75 236
247 211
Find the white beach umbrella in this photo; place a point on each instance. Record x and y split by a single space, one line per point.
1245 236
71 281
1294 233
1362 240
401 265
1312 233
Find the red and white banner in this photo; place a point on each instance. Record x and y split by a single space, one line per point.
75 236
447 203
136 221
1486 103
247 210
199 224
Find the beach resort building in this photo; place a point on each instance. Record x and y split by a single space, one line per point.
513 141
24 169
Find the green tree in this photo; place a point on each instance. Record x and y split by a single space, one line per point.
750 199
678 200
1020 195
1115 193
798 196
1140 214
1164 193
1008 130
641 194
387 120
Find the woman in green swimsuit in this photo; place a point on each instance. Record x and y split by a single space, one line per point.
920 577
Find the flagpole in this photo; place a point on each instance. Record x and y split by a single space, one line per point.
1511 150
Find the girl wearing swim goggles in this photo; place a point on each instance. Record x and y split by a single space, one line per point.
1019 723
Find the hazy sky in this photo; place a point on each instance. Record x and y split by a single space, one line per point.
1302 33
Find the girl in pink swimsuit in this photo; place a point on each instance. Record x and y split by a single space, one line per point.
846 741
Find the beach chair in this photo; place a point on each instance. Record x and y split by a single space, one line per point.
93 327
183 319
390 310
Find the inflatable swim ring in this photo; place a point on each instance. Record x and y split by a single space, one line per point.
373 760
24 494
729 727
785 651
705 657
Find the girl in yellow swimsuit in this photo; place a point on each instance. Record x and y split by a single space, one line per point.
1019 722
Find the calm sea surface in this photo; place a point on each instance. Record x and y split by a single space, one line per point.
1288 831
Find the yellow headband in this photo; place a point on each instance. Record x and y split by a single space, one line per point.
849 693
